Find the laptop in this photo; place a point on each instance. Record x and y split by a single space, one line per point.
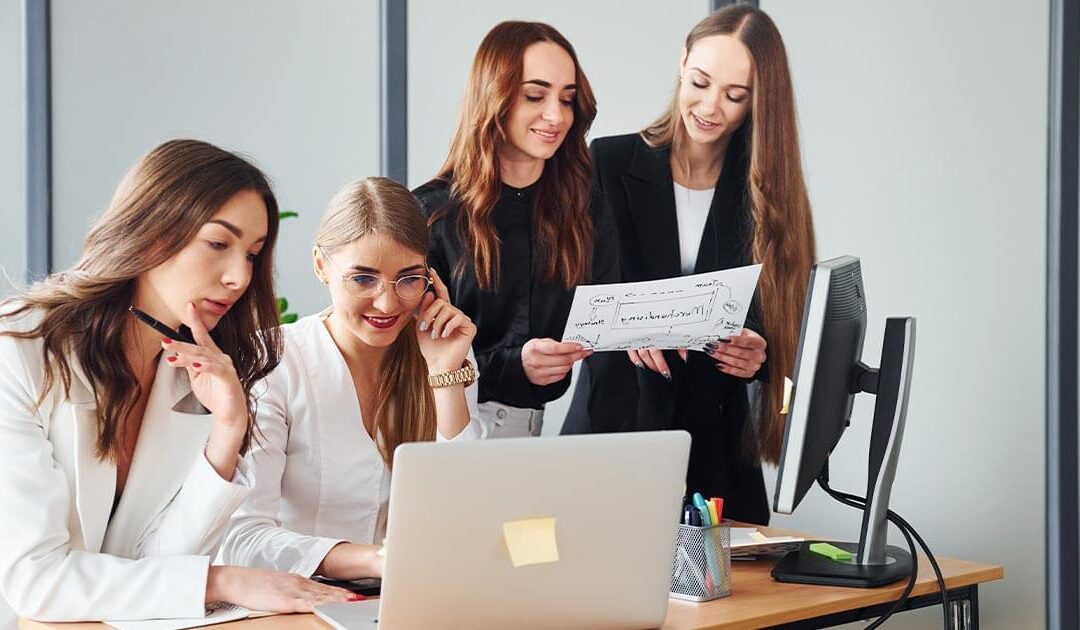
461 514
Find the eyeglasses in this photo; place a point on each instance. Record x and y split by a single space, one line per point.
366 285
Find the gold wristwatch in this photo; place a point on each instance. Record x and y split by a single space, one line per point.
465 375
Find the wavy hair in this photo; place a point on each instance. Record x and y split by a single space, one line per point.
405 411
783 232
157 209
561 221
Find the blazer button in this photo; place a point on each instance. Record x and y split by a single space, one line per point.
500 414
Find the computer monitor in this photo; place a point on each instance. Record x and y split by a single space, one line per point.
828 374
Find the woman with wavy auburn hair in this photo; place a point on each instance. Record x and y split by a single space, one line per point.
716 182
120 442
513 224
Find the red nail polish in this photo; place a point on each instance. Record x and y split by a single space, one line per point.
196 365
166 340
170 359
355 597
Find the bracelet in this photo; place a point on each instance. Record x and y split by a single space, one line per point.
465 375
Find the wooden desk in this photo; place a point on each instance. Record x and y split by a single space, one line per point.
756 601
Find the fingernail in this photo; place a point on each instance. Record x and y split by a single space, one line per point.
196 365
171 359
355 597
667 375
166 340
446 333
724 340
423 326
712 345
639 366
434 336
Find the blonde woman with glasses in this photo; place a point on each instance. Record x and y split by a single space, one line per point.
389 362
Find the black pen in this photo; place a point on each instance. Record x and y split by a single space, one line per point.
161 328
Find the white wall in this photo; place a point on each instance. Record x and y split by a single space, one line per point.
294 85
12 146
924 129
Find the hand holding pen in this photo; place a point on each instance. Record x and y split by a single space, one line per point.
216 385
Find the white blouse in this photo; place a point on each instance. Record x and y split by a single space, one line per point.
691 211
319 477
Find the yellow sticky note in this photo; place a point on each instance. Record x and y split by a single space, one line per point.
787 395
531 541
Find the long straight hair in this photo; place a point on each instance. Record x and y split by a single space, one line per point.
405 411
562 223
157 209
783 232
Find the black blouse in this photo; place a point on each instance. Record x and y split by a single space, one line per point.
522 306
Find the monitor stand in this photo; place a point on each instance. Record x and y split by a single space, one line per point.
874 563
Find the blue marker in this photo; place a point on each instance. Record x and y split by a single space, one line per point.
699 503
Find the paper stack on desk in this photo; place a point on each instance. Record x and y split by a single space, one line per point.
748 541
217 612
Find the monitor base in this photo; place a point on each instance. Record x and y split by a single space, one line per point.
806 567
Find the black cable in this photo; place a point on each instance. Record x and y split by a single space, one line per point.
905 529
853 501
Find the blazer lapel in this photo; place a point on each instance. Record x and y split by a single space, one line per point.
651 198
73 433
169 443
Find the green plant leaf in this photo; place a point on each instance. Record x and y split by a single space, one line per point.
289 318
287 214
282 305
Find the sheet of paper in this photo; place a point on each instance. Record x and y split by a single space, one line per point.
531 541
748 540
683 312
220 612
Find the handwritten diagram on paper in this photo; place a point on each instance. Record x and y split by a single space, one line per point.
683 312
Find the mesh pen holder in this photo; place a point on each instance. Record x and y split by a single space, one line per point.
702 566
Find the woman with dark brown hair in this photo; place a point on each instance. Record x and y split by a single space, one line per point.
716 182
513 229
120 442
355 381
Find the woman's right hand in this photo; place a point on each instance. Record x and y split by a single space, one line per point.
547 361
270 591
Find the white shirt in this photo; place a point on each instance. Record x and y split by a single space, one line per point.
62 556
691 212
319 476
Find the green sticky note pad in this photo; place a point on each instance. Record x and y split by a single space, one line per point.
830 552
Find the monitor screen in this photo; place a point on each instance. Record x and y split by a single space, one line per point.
830 347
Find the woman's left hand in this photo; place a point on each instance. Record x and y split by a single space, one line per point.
444 333
741 356
212 373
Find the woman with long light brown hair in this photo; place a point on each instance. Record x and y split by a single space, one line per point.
387 363
513 224
716 182
120 441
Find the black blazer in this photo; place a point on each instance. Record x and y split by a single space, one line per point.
635 181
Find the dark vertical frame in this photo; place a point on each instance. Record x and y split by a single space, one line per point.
393 116
719 4
38 74
1062 559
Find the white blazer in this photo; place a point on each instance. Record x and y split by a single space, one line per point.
62 558
319 478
